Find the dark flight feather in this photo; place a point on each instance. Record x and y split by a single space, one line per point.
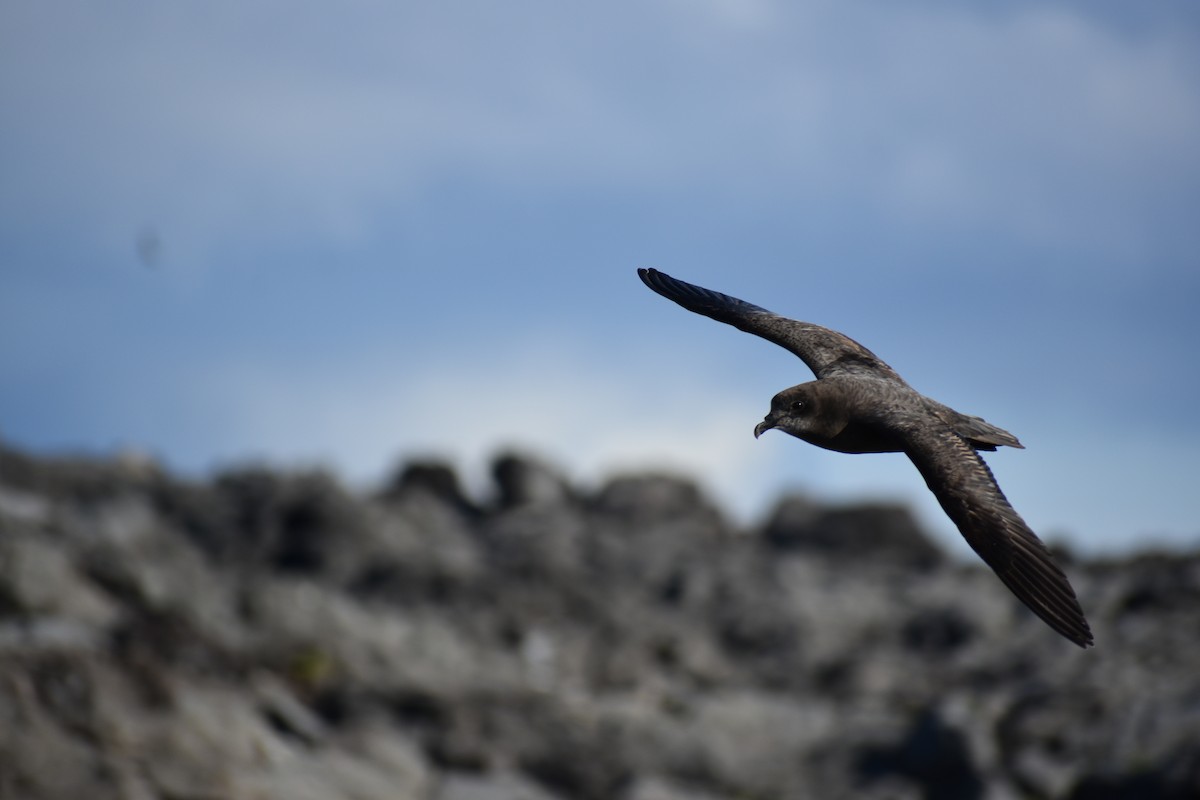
826 352
970 496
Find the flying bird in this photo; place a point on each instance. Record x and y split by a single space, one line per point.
858 404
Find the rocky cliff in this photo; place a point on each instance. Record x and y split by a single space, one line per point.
273 635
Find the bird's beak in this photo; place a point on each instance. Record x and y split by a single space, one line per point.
765 425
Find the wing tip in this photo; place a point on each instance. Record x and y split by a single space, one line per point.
1054 603
1082 635
1069 622
692 297
653 279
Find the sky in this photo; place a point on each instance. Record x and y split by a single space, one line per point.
355 234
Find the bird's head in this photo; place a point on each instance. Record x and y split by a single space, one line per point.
806 412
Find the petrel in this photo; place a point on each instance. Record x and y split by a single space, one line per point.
858 404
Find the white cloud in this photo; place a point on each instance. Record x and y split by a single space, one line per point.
1036 124
592 417
1024 121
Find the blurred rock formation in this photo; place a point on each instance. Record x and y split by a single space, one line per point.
272 635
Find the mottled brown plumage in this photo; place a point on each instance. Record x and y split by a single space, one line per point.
859 404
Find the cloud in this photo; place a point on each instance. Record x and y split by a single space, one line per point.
1023 122
566 403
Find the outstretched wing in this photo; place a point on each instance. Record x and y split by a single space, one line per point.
964 486
825 352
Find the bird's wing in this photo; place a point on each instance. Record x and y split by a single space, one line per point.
964 486
825 352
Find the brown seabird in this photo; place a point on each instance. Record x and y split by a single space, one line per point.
858 404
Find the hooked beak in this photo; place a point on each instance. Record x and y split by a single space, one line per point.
766 425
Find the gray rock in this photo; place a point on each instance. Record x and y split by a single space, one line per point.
523 480
868 532
499 786
274 635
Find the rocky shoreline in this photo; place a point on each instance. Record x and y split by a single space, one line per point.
270 634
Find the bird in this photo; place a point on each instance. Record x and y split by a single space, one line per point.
859 404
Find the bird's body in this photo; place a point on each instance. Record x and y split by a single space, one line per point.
859 404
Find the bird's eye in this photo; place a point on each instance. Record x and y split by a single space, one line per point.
798 405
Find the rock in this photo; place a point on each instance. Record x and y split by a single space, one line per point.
434 478
38 579
937 632
19 507
267 634
870 532
522 480
657 788
499 786
38 757
932 755
418 550
650 499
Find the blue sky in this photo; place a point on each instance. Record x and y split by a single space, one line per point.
353 234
